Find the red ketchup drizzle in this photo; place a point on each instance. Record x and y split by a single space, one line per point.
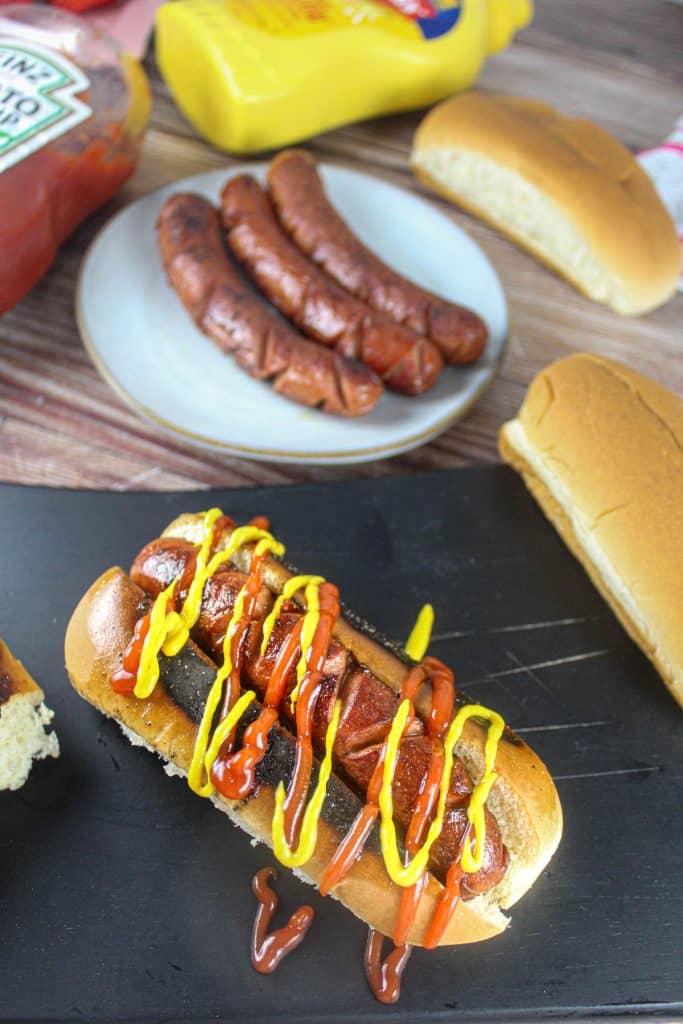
234 776
268 949
237 774
440 715
297 792
354 840
261 522
438 721
384 976
222 523
232 689
125 678
448 900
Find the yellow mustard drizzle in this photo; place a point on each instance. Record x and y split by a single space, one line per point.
308 834
239 536
189 613
170 634
310 585
223 730
472 862
409 874
421 634
208 745
200 763
161 622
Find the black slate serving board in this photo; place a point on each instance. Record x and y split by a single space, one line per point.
123 897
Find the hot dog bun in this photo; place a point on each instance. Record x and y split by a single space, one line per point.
24 722
523 799
561 187
601 449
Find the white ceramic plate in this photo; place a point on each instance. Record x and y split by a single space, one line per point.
147 347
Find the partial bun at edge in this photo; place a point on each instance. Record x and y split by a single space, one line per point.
26 734
562 188
600 447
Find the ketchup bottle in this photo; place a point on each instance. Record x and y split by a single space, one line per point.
73 109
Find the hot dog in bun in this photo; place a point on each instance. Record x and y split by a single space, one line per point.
367 772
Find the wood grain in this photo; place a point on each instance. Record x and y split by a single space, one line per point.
617 61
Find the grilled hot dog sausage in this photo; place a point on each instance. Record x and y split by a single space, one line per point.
368 706
310 219
406 361
225 309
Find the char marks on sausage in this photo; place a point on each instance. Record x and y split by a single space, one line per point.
313 223
225 308
406 361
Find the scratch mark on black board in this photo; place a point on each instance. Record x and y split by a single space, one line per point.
520 628
565 725
528 670
552 663
643 770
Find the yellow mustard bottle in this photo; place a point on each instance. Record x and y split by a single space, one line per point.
258 74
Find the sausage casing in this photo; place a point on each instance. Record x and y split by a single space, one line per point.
310 219
406 361
226 309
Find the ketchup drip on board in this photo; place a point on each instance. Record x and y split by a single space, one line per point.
269 948
384 976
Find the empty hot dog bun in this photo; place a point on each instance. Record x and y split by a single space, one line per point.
25 733
523 799
561 187
601 449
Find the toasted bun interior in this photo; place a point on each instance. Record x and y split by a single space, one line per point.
25 736
561 187
601 449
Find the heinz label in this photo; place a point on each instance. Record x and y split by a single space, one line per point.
38 100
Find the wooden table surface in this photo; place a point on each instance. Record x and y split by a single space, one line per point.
616 61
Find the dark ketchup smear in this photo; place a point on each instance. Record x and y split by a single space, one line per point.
384 976
268 949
